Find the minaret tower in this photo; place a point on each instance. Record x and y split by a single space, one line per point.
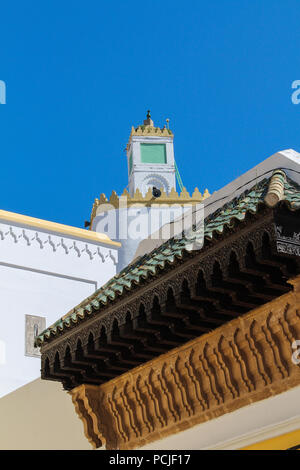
141 212
150 158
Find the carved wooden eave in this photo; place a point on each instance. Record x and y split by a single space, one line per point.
180 337
240 270
243 361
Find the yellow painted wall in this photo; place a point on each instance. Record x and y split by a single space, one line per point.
283 442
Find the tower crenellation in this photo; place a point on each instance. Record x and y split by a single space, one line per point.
150 158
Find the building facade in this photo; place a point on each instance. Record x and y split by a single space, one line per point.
163 342
44 266
187 338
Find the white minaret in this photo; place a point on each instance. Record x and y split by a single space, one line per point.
133 217
150 158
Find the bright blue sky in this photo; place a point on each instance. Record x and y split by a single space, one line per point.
80 74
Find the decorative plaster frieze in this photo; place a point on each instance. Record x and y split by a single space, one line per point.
245 360
54 243
286 244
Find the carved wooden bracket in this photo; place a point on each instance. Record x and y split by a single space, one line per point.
243 361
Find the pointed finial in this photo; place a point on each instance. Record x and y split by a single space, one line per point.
148 121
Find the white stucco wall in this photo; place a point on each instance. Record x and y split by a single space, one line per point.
42 273
131 225
163 174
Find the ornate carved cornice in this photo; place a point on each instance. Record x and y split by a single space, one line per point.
233 276
243 361
235 241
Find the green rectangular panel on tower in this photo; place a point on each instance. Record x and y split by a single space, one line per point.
153 153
